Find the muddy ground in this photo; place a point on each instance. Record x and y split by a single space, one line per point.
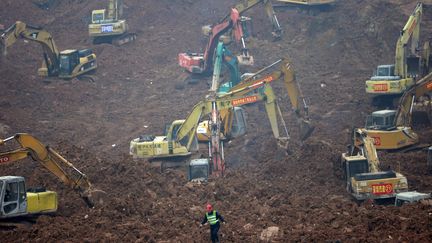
135 93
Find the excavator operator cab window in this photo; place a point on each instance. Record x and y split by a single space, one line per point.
98 18
174 131
68 61
385 70
357 167
11 197
381 121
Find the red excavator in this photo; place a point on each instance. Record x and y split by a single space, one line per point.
202 63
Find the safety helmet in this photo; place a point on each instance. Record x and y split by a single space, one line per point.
209 207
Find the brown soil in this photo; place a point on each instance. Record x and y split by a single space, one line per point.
135 94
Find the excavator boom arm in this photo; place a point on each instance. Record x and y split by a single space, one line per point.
245 5
51 160
228 101
295 95
411 29
365 145
403 114
21 30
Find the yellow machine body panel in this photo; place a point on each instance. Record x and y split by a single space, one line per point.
158 147
41 202
379 188
372 184
393 139
388 87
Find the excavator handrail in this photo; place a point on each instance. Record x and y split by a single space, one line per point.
51 160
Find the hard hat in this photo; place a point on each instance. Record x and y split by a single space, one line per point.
209 207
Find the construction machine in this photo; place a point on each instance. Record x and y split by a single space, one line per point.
392 129
364 179
14 199
202 63
394 79
182 133
412 197
231 121
108 27
222 123
223 56
66 64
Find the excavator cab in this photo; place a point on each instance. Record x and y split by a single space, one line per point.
235 126
355 165
13 198
381 120
98 16
15 201
199 170
76 62
385 72
68 61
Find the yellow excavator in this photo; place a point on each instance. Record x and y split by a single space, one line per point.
15 200
180 138
391 129
364 179
394 79
232 120
108 27
66 64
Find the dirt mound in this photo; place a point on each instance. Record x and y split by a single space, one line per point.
91 124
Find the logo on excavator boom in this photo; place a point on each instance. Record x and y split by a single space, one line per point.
245 100
4 159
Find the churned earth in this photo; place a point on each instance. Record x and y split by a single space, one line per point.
136 92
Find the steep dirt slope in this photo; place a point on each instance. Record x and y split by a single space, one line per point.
91 124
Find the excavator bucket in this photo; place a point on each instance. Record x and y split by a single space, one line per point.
93 197
245 60
306 129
